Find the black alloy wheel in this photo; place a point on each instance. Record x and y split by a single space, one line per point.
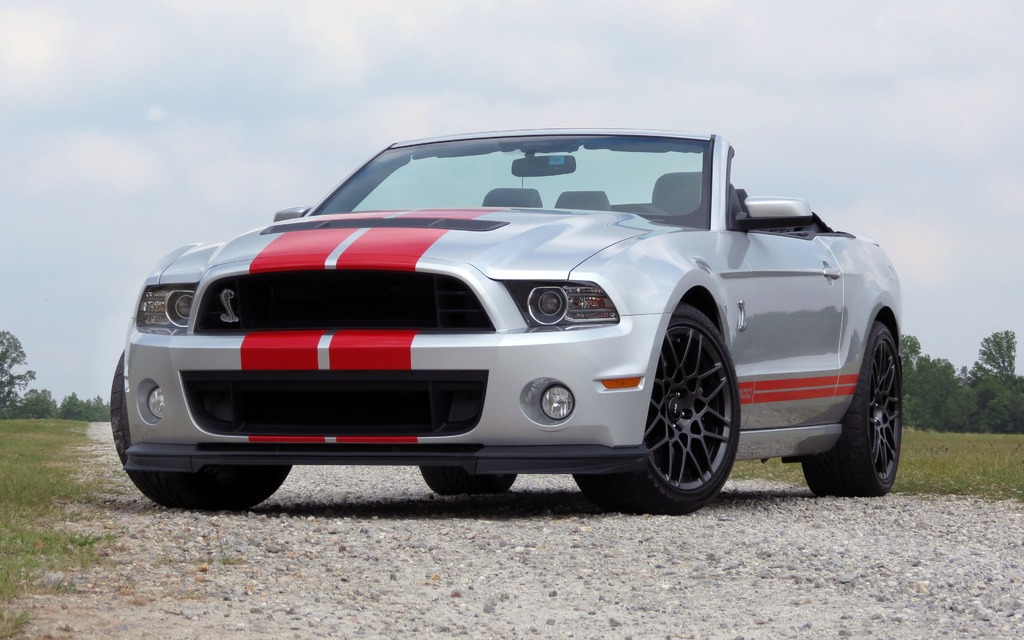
864 461
691 418
692 426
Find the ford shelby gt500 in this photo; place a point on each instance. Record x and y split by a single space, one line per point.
591 302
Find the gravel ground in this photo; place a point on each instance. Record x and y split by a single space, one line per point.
368 552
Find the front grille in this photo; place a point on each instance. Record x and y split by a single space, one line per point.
336 403
340 300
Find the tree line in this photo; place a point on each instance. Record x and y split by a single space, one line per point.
38 403
988 397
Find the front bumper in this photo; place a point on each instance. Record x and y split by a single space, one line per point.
583 459
507 435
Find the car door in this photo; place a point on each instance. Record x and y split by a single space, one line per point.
787 302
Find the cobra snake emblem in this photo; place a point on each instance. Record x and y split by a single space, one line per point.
225 299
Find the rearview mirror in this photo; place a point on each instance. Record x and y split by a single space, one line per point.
538 166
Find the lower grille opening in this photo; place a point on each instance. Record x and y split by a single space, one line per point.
407 403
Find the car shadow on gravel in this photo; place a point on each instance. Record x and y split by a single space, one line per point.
508 506
511 505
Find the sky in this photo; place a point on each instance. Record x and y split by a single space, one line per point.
128 129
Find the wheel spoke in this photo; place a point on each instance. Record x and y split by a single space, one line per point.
690 416
665 439
884 408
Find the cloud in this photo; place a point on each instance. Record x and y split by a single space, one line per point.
31 47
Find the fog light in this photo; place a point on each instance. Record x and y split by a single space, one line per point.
156 402
557 402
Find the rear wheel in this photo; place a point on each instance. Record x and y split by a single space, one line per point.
453 481
864 461
214 487
692 426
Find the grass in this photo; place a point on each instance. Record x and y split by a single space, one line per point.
37 475
965 464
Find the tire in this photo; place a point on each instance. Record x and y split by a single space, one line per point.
693 426
864 461
213 488
453 481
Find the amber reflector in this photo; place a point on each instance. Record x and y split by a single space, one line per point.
621 383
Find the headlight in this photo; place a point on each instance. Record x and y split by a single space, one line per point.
545 304
165 309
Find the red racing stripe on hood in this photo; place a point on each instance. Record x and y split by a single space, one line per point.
299 250
373 248
389 249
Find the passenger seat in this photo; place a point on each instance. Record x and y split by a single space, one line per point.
586 200
511 197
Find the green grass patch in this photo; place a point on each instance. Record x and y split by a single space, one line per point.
974 464
38 474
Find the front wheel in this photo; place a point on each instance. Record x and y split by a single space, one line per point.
693 426
213 488
863 462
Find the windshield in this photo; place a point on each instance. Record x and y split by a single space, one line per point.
663 179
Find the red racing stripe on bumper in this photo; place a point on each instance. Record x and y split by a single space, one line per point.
292 439
334 439
376 439
355 350
281 351
371 350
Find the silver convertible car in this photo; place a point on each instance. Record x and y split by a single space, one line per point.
600 303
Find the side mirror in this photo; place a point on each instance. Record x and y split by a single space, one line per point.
291 213
774 212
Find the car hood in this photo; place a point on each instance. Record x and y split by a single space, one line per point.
499 243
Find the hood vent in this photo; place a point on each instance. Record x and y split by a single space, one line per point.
450 224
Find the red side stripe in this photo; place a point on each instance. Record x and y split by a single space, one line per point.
389 249
797 394
795 383
299 250
789 389
371 350
281 351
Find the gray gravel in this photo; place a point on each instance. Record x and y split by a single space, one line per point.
368 552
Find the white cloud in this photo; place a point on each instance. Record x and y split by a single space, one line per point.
32 52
